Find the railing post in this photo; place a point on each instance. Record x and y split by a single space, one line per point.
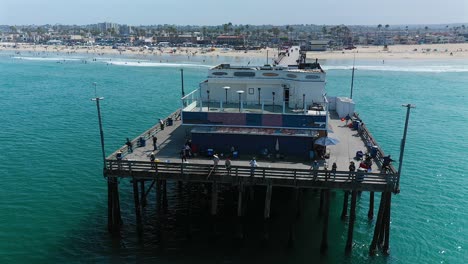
284 107
263 173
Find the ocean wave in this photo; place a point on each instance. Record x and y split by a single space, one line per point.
396 68
46 58
156 64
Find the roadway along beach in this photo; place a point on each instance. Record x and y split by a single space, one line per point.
398 52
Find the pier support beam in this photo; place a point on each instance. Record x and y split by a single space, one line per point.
344 212
214 198
266 212
378 226
386 246
158 194
294 215
370 214
114 220
322 194
214 206
189 210
326 213
142 193
352 218
137 205
164 195
240 211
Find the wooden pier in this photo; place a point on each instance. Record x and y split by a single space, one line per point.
288 172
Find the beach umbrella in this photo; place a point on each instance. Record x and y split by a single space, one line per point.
326 141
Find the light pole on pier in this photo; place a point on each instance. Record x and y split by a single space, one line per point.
97 99
208 94
182 78
240 92
273 94
403 142
259 90
226 88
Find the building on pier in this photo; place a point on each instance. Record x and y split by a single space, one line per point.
275 113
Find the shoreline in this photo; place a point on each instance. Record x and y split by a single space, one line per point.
396 52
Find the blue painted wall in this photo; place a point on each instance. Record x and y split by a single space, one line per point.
246 119
251 145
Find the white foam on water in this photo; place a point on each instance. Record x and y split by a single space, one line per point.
46 58
406 68
156 64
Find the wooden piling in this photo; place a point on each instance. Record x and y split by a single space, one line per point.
189 210
344 211
142 193
110 215
386 246
137 205
214 198
320 210
326 213
158 194
117 218
164 194
240 229
378 226
292 220
352 218
266 212
370 214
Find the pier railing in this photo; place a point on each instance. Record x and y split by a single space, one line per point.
259 176
370 142
147 134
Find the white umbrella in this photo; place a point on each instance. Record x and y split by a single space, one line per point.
326 141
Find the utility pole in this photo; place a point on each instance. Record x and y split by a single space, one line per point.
97 99
403 142
182 78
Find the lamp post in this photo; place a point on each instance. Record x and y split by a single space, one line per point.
182 78
97 99
259 90
226 88
240 92
303 101
273 93
208 93
403 142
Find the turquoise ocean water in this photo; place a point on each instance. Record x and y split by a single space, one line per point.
53 203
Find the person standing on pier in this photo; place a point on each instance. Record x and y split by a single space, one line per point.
227 163
152 159
161 122
314 168
352 169
182 155
333 170
155 141
215 160
129 145
253 165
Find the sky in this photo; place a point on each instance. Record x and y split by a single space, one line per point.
217 12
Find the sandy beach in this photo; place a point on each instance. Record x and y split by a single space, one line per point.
399 52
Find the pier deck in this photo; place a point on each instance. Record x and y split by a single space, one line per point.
288 171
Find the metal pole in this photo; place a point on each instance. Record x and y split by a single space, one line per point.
352 79
97 99
403 142
267 56
182 78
